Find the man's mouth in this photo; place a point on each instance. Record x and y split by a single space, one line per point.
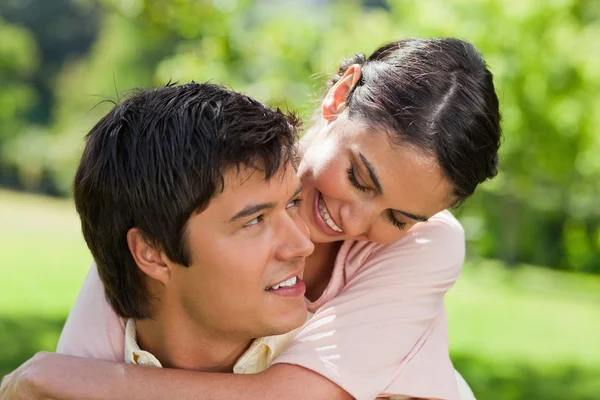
287 283
291 287
323 217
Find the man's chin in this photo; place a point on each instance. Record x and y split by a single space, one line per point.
289 322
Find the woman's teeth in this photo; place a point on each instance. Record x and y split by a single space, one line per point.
326 217
289 283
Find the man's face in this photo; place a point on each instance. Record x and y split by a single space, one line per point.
249 239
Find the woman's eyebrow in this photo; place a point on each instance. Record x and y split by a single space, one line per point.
419 218
372 173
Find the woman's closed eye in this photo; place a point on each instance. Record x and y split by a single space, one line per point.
354 181
398 224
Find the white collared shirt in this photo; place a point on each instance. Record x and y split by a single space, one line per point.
257 358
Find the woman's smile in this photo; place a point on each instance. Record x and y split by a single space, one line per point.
323 218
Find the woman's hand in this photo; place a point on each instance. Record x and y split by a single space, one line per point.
27 381
58 377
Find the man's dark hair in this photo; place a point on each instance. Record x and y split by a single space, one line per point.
436 95
157 158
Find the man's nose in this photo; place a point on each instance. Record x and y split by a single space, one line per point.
295 239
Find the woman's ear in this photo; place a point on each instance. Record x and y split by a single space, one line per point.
335 100
148 259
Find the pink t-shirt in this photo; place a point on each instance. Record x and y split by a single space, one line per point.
379 327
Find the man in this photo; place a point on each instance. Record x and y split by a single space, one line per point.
188 202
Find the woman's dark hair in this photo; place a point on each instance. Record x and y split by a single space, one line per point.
436 95
156 159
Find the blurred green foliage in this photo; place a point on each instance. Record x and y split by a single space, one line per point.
18 62
541 208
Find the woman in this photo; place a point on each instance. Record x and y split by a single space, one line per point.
402 135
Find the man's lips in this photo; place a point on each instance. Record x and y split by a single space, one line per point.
296 290
297 273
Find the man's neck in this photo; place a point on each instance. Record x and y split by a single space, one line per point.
178 343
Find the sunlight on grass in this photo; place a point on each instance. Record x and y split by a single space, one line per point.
44 257
525 314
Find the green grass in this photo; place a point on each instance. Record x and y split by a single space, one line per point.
526 314
43 262
526 333
44 257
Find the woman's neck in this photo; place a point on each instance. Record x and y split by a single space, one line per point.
319 267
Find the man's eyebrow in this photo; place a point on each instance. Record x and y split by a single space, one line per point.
372 173
255 208
251 209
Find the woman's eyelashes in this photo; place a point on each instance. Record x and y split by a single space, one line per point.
398 224
354 181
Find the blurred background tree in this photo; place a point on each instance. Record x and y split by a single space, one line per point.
59 59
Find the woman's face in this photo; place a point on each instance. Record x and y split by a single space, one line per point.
359 186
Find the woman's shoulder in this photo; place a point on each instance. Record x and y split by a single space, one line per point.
442 225
438 244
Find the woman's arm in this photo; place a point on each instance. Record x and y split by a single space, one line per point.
61 377
93 329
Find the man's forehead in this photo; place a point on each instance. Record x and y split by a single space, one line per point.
242 176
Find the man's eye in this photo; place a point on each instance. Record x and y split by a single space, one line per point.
294 203
254 221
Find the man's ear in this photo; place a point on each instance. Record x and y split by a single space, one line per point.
335 100
150 260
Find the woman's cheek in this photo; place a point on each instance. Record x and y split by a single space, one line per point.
323 167
383 233
332 180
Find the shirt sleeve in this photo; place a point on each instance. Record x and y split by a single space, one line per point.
386 330
93 329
